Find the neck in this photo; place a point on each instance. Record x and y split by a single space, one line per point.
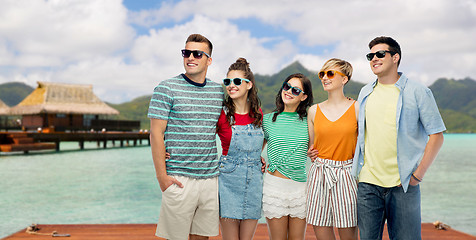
290 108
390 78
337 96
242 106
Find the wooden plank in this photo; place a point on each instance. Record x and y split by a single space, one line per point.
26 147
147 231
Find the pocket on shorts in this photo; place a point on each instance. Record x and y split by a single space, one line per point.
169 189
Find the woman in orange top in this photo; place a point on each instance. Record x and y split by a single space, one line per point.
332 191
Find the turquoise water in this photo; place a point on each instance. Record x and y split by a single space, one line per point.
118 185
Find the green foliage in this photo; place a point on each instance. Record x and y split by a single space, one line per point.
13 93
458 122
134 110
456 95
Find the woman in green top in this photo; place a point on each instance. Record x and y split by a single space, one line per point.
286 133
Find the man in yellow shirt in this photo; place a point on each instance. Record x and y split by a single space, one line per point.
400 134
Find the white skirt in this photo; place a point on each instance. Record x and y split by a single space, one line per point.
283 197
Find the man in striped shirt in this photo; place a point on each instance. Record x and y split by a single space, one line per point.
183 112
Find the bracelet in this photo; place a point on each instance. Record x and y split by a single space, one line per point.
416 178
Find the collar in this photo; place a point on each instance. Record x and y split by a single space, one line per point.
194 83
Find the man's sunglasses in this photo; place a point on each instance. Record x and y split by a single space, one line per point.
379 54
236 81
330 74
294 90
196 53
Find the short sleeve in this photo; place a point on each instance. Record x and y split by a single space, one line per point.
161 102
429 114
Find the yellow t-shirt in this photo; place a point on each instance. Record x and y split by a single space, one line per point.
380 157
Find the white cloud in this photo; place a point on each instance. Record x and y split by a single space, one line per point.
49 33
94 42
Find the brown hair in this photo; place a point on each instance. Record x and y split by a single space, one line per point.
242 65
199 38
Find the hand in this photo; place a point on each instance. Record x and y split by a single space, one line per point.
263 165
166 181
414 181
312 154
167 155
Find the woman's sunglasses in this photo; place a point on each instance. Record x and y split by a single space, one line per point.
236 81
196 53
379 54
330 74
294 90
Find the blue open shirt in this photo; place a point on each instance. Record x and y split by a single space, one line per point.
417 118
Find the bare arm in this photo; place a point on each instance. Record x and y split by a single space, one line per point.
311 114
157 130
431 151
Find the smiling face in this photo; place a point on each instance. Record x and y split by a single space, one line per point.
383 66
196 68
336 82
290 100
241 91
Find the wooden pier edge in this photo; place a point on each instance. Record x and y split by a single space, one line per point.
147 231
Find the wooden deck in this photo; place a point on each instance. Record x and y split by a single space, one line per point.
33 141
147 231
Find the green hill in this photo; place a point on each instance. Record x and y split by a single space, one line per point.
13 93
455 98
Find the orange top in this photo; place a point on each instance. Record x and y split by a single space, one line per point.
335 140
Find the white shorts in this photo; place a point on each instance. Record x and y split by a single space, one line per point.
331 194
283 197
192 209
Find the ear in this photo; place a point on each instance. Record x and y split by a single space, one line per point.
250 85
345 80
396 57
304 97
209 61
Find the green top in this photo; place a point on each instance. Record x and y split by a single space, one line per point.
288 141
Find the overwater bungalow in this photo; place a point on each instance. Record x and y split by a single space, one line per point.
67 107
4 109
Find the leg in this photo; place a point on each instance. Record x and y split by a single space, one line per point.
323 233
297 228
404 213
348 233
230 228
370 211
206 220
278 228
248 229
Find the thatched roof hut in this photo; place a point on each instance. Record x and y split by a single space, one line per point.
62 98
4 109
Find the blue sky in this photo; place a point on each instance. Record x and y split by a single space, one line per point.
124 48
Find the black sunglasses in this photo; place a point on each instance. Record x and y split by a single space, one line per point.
236 81
294 90
379 54
196 53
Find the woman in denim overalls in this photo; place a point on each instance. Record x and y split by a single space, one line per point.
240 180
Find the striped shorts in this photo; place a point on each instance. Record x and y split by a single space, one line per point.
331 194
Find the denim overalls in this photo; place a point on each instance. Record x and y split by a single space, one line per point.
240 183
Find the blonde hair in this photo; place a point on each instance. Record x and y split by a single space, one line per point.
342 65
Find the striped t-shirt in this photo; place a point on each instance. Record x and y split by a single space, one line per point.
192 112
288 140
